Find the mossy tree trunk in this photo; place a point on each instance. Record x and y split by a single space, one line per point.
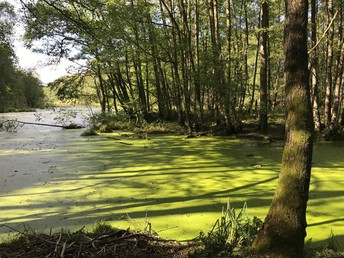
284 227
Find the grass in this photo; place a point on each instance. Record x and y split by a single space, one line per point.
178 185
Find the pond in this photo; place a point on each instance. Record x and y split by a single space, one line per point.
52 178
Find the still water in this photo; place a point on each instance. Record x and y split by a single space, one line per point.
35 163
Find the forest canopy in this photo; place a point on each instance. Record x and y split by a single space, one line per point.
195 61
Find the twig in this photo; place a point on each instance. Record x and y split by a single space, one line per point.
324 34
63 249
28 235
58 241
32 123
125 143
79 252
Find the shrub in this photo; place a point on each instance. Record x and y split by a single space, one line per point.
89 132
231 235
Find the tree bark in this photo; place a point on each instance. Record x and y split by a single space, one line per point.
263 51
337 94
284 229
329 62
314 67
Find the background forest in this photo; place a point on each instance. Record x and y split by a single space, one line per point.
18 89
195 61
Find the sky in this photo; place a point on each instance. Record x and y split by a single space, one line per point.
28 60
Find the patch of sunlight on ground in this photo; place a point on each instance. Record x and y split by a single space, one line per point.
178 185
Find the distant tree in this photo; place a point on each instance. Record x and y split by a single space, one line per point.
18 89
284 229
31 90
6 53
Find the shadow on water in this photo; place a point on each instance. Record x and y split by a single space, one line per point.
51 179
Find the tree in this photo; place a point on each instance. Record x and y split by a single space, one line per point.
314 66
263 110
284 229
329 64
6 53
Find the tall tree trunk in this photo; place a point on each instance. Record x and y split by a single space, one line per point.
335 112
314 67
338 89
246 48
254 77
175 31
221 88
329 62
263 110
198 91
285 225
229 96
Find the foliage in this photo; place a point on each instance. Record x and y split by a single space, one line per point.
18 89
332 133
65 115
10 126
159 127
107 122
232 234
89 132
74 89
330 250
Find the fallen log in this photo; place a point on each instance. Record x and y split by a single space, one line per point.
70 126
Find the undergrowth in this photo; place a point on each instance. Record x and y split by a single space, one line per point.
109 122
231 235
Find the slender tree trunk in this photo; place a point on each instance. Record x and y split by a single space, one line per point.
254 77
102 89
246 47
198 90
335 112
284 227
229 96
314 67
175 31
329 62
338 89
263 110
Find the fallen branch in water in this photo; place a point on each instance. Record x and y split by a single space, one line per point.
70 126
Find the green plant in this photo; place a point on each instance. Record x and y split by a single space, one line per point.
331 250
231 235
65 115
10 125
107 122
102 227
333 133
89 132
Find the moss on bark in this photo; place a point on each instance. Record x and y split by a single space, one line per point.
285 225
